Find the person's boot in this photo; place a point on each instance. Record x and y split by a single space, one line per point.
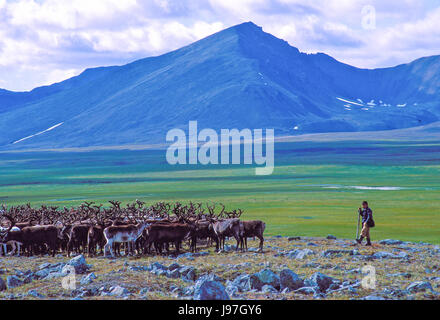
359 241
368 242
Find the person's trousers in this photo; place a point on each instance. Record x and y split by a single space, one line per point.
365 230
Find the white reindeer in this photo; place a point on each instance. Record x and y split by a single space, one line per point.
120 234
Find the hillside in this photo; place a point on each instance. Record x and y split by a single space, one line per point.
240 77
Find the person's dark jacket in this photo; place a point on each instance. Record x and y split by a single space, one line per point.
367 215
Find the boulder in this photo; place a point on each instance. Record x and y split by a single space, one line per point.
157 266
300 254
307 290
265 276
35 294
390 242
268 289
14 282
88 279
209 290
372 297
79 263
232 290
174 274
242 282
389 255
174 266
419 286
119 291
320 280
334 252
188 273
289 279
3 286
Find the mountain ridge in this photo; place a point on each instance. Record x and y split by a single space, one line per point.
239 77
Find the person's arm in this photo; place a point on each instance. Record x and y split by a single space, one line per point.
369 214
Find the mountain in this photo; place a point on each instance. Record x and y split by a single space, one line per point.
240 78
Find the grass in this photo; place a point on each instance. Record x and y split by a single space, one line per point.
307 195
230 265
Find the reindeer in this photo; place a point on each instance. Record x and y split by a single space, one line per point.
121 234
253 229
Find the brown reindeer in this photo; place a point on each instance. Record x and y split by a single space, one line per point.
253 229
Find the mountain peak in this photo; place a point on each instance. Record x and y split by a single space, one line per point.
247 26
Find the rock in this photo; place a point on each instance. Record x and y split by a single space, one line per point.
286 290
44 266
188 291
2 285
419 286
79 263
47 269
174 266
88 279
331 253
209 290
242 282
232 290
294 239
84 292
14 282
307 290
268 289
289 279
300 254
389 255
144 291
174 274
211 277
119 291
265 276
372 297
188 273
401 274
157 266
320 280
391 242
331 237
35 294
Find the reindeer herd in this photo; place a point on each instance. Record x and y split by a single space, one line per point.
134 229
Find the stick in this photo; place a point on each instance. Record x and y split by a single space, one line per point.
357 231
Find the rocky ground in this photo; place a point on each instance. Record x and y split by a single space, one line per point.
289 268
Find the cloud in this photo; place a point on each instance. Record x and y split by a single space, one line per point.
49 40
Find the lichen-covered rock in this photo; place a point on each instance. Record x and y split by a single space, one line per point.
265 276
300 254
88 279
390 242
2 285
79 263
289 279
14 282
210 290
320 280
242 282
419 286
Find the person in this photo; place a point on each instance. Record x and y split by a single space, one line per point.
367 222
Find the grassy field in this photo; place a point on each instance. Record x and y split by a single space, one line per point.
315 190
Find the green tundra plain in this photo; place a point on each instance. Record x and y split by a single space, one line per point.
315 189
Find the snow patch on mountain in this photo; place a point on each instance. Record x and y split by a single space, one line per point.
39 133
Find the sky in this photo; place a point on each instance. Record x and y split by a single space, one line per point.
47 41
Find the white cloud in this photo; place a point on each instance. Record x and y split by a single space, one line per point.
49 40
